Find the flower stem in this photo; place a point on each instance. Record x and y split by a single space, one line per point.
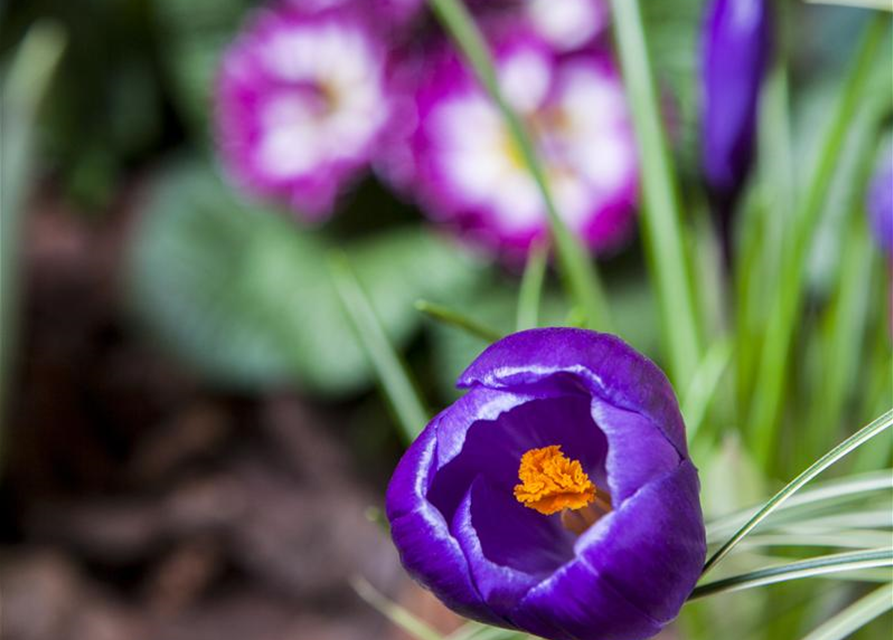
454 318
773 367
578 271
532 287
859 438
392 373
661 220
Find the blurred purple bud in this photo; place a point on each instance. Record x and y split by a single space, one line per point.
880 202
735 49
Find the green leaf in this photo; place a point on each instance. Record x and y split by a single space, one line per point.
460 321
24 89
392 373
577 267
401 617
859 438
246 296
814 567
662 229
856 616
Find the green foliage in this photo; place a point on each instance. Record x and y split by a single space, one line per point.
246 296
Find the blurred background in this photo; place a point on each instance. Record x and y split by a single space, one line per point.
193 445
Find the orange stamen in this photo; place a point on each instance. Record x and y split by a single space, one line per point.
551 482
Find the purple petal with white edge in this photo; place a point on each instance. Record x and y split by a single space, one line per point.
576 604
427 549
473 444
509 547
604 364
638 452
651 550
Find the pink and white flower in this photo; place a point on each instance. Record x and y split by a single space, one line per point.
301 104
454 154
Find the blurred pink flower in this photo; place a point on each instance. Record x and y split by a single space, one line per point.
301 103
451 151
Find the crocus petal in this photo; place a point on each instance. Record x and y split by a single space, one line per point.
629 573
652 548
537 544
427 549
608 367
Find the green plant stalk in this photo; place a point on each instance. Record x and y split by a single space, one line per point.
455 319
856 616
392 373
704 386
773 367
577 268
392 611
531 290
842 335
24 89
661 219
859 438
823 565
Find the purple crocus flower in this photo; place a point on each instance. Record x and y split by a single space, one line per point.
557 496
735 48
880 202
452 151
300 104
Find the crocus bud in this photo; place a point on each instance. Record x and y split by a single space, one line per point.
880 202
735 48
557 496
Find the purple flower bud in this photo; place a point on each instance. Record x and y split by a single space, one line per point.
452 151
880 202
557 496
300 105
735 48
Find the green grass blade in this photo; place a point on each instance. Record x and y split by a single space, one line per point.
704 386
855 616
661 218
577 268
532 287
823 565
24 88
822 496
392 374
850 444
788 299
460 321
393 611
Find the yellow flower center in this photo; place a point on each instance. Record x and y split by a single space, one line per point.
552 482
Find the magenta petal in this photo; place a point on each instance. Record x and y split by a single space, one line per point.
607 406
